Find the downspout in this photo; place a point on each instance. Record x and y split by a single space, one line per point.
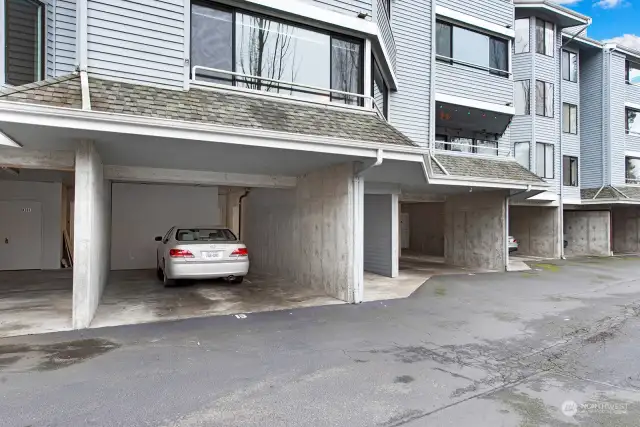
561 201
506 225
246 193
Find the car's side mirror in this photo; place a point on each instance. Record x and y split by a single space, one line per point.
158 238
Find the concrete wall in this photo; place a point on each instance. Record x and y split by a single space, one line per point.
536 230
380 237
426 227
306 234
49 194
92 234
143 211
626 229
474 230
587 233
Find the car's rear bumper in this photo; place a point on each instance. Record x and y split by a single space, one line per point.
197 270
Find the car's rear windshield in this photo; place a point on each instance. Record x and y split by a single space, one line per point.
205 235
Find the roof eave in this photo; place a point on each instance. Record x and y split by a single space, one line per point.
564 17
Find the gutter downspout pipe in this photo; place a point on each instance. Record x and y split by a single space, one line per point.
246 193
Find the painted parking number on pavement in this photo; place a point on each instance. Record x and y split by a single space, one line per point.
241 316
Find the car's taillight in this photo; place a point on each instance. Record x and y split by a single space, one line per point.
180 253
240 252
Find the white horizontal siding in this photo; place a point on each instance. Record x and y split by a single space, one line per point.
138 40
632 143
65 36
50 44
633 94
410 107
348 7
521 66
590 116
617 119
471 83
570 92
498 12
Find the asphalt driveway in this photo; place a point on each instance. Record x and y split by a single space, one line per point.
553 346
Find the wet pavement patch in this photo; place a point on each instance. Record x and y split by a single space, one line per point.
50 357
404 379
547 267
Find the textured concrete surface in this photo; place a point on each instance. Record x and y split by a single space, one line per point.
474 230
536 229
485 350
137 296
35 301
626 229
426 227
587 233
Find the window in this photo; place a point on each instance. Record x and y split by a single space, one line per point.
466 145
633 121
24 41
523 32
544 160
570 118
471 48
523 97
569 66
570 171
544 37
522 153
544 98
232 40
633 73
379 89
205 235
632 170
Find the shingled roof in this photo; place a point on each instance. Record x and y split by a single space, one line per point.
482 167
623 193
211 107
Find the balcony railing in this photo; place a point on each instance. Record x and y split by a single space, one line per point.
473 147
384 25
364 101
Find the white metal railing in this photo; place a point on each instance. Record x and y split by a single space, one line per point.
384 24
472 65
472 148
367 100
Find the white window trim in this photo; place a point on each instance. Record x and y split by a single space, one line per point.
478 23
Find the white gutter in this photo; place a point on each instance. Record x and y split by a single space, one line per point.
371 164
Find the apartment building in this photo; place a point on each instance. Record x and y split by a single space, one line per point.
310 128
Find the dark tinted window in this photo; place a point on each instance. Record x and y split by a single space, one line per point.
24 41
204 235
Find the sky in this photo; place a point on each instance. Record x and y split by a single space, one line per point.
617 21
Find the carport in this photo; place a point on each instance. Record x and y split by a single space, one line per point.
291 189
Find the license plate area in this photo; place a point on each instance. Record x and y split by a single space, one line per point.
211 255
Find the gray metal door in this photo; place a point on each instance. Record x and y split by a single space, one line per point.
20 235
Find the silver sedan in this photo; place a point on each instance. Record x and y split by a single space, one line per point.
204 252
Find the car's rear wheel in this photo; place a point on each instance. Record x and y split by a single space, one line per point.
166 281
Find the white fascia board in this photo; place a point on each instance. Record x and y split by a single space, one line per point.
13 157
472 103
308 12
178 176
15 112
486 182
558 10
475 22
584 40
611 202
632 105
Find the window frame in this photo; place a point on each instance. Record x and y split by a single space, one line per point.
544 166
43 42
544 39
568 180
627 68
528 144
331 34
544 96
568 69
626 120
385 94
450 59
528 104
571 107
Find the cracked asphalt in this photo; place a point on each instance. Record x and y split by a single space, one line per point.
556 346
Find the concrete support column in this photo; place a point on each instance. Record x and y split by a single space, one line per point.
91 233
380 254
474 230
587 233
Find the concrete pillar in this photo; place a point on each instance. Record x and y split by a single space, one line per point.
536 230
91 233
587 233
475 229
380 237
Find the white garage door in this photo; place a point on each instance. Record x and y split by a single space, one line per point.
140 212
381 234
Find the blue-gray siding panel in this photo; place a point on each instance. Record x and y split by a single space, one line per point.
471 83
65 36
50 44
348 7
498 12
141 41
633 94
633 143
378 234
617 118
590 117
410 106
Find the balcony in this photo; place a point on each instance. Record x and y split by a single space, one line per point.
384 26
